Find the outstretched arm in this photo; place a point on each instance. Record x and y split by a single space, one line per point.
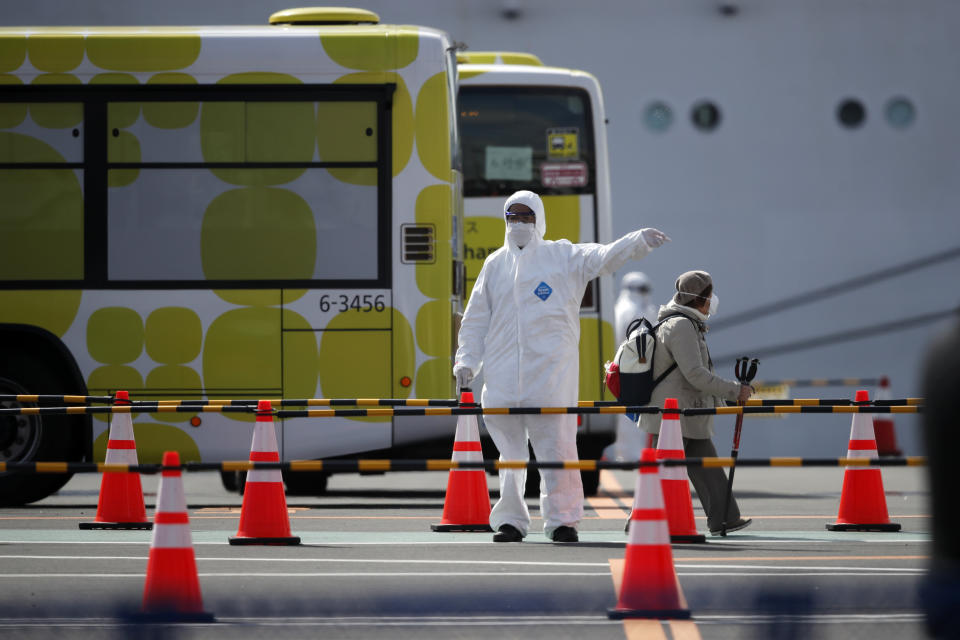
601 259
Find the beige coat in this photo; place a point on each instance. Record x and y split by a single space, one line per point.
693 382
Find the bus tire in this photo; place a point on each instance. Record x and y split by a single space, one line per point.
234 481
306 483
34 438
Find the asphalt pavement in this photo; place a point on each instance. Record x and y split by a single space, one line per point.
370 567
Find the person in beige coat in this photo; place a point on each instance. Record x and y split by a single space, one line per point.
681 344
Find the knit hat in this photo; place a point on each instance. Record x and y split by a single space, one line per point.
693 287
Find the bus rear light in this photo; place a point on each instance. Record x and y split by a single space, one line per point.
405 381
195 421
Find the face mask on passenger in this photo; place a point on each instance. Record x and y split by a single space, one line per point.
714 303
521 232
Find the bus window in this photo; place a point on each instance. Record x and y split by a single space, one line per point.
515 138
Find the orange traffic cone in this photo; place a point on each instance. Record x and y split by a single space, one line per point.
883 425
263 516
172 589
467 503
120 505
863 505
676 485
649 587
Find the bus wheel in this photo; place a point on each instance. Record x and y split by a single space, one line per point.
234 481
31 438
306 483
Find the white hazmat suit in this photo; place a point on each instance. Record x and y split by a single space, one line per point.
522 325
635 301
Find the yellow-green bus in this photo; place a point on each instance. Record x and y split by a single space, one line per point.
226 212
261 212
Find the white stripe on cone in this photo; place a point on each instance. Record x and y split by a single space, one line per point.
121 428
649 532
172 536
671 439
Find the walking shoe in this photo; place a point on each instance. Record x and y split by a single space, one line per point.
507 533
564 533
733 526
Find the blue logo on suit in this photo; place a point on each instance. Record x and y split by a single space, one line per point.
543 291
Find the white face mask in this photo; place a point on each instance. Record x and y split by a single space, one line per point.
714 303
521 233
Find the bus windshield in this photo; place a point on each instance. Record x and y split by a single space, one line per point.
536 138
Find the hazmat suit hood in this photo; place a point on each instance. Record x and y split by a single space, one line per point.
533 201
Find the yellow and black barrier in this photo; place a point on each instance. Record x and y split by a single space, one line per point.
788 402
308 402
363 465
34 399
466 410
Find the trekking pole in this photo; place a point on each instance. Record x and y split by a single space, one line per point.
745 375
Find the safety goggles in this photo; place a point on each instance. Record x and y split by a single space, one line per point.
526 216
643 290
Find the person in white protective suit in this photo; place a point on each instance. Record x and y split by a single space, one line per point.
522 325
635 301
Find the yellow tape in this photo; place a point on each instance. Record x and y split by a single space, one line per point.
74 398
722 411
168 408
373 465
612 410
3 466
909 409
843 409
211 409
786 462
583 465
380 412
237 465
855 462
717 462
916 461
51 467
418 402
318 402
367 402
113 466
438 411
83 410
787 409
511 464
306 465
439 465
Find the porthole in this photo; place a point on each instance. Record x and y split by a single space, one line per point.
900 112
705 115
851 113
658 116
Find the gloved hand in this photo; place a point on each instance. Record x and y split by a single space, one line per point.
654 237
464 377
745 392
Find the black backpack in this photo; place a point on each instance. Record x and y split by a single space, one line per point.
630 376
